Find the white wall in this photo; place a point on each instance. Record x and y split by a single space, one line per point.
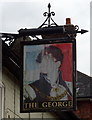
1 101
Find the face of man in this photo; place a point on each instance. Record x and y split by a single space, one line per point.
50 66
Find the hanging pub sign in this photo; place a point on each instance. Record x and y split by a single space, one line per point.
48 75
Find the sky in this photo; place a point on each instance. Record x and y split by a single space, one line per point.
18 14
91 38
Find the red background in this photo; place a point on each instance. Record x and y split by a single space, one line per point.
66 66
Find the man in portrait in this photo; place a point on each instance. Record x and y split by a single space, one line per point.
50 86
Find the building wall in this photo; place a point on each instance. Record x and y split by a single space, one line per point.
84 109
0 78
1 100
12 99
0 103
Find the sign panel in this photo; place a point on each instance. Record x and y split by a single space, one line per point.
48 75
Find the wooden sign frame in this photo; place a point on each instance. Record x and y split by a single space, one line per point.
38 93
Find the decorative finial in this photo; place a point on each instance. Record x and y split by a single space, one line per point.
49 5
49 18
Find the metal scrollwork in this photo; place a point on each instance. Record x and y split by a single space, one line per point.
49 18
76 27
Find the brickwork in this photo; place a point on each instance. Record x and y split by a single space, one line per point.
84 110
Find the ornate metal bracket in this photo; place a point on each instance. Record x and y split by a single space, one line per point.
49 18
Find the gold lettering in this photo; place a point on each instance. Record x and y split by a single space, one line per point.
49 104
44 104
30 105
26 105
59 104
54 104
70 103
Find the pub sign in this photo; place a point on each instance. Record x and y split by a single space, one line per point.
48 75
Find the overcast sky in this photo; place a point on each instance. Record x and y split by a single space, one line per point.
20 14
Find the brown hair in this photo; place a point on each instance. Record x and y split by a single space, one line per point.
55 51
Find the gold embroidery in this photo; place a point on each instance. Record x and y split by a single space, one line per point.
42 95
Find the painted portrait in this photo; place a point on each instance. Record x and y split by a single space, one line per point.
48 72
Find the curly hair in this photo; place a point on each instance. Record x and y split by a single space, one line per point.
55 51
